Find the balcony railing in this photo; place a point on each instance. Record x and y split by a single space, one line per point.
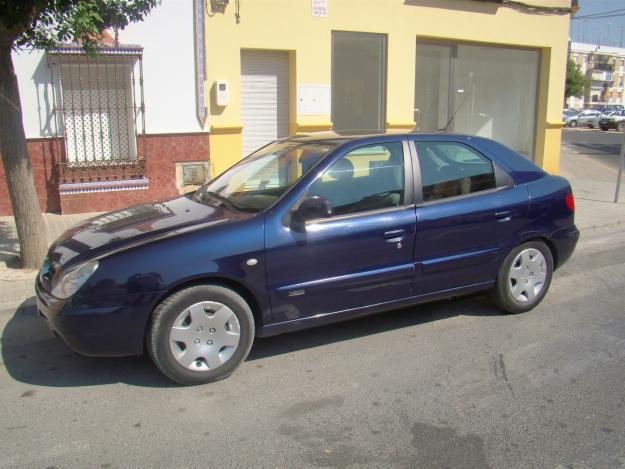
603 67
105 170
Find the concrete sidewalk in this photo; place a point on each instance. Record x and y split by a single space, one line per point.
593 186
17 285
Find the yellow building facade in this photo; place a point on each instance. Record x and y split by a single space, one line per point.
470 66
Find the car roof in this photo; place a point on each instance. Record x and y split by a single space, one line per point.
342 137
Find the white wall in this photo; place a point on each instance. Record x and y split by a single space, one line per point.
168 66
33 77
166 36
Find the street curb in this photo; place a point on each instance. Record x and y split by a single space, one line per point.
13 306
17 275
599 227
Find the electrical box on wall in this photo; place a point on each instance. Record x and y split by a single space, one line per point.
222 93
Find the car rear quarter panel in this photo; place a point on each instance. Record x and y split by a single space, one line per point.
548 210
550 217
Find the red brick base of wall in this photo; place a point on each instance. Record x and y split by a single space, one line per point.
162 152
44 154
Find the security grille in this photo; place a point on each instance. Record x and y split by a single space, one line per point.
100 113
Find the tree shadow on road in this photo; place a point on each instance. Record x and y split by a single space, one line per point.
32 355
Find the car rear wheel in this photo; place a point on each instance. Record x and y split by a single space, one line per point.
524 277
573 124
620 126
200 334
604 128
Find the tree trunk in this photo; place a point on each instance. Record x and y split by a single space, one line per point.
18 170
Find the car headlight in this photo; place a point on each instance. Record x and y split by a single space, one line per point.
68 282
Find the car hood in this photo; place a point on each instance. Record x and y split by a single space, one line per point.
136 225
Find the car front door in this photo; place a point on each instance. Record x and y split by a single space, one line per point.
468 213
361 253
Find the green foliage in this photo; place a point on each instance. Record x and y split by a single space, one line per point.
46 23
576 82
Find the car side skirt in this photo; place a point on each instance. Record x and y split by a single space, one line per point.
344 315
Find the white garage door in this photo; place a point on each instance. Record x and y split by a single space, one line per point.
265 97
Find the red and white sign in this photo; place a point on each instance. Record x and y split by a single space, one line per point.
320 8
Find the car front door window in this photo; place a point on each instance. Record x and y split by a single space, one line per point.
367 178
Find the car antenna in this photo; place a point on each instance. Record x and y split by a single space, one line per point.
453 116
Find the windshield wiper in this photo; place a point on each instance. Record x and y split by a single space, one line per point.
222 199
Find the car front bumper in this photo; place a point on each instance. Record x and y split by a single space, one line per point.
107 326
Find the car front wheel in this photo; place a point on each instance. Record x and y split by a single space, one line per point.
605 128
524 277
200 334
573 124
620 126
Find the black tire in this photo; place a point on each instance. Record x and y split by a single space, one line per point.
166 313
501 294
573 124
604 128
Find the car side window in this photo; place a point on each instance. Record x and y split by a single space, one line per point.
368 178
450 169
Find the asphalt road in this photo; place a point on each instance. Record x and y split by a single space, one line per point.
595 144
450 384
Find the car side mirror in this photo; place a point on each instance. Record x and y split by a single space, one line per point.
311 208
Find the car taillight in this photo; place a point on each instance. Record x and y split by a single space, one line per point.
570 202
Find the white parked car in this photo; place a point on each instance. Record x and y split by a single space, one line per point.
584 118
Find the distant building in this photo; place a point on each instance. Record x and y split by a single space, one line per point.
605 68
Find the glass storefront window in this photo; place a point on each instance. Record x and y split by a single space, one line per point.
478 90
358 81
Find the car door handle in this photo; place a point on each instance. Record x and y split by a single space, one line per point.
504 216
394 236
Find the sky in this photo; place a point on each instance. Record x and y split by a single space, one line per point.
603 31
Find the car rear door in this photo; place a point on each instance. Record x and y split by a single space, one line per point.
359 256
468 211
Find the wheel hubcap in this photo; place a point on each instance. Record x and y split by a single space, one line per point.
204 336
527 275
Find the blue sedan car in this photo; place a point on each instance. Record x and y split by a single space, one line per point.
306 231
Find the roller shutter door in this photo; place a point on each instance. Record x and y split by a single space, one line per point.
265 97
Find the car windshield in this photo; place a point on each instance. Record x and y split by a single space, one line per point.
261 178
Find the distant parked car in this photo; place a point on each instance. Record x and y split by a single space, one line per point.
608 107
614 121
584 118
566 113
595 119
346 226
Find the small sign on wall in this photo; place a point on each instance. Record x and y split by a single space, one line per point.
191 175
313 100
320 8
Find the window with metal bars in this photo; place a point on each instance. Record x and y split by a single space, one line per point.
100 114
